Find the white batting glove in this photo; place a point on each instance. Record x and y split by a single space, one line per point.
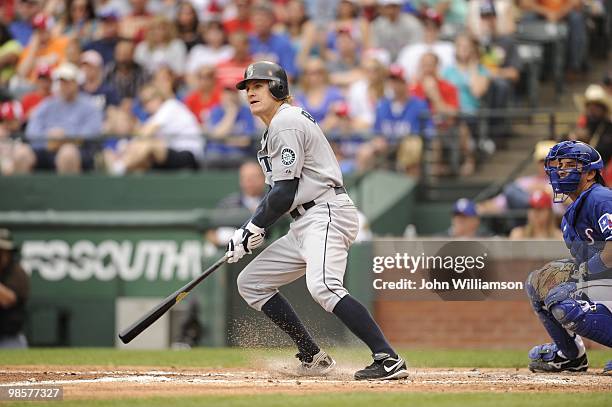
235 249
244 241
253 237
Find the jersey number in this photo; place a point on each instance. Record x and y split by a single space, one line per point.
308 116
265 160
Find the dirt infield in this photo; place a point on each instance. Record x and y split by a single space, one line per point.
97 382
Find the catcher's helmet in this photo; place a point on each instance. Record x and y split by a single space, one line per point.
565 180
273 73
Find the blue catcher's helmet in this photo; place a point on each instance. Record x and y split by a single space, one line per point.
565 177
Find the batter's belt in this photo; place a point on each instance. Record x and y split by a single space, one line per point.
301 209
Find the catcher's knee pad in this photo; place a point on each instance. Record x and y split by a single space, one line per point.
593 321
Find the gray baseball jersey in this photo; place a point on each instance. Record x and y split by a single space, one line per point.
295 147
318 241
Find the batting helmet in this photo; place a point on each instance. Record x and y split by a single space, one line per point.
566 180
268 71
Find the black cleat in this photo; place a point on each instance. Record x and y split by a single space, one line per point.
546 359
384 368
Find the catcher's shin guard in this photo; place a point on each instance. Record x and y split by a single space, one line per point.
562 338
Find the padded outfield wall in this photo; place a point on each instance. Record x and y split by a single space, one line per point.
102 250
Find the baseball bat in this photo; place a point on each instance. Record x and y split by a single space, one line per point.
143 323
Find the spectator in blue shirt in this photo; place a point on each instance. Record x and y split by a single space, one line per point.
57 123
401 122
401 114
109 37
230 130
103 93
317 95
266 45
22 28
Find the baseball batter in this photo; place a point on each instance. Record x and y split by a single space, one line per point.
573 297
306 181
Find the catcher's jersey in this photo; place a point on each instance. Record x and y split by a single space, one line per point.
587 223
294 146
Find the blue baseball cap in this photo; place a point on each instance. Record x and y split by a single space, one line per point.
465 207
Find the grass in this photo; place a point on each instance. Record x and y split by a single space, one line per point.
237 357
358 399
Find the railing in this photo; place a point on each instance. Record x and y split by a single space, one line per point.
490 130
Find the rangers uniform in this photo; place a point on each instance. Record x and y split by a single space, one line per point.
573 297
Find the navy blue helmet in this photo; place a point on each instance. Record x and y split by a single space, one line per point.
565 177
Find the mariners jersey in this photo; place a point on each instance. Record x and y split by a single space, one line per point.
587 223
294 146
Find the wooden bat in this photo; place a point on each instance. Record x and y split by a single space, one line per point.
143 323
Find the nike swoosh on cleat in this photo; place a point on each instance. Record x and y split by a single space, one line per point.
399 362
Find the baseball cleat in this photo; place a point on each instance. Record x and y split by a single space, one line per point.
384 367
608 367
546 359
317 365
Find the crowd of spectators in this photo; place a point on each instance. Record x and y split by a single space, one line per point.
132 85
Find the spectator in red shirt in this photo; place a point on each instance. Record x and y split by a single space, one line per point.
43 89
443 100
242 21
206 94
232 70
11 123
441 95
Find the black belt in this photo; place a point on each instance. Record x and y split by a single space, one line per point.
296 214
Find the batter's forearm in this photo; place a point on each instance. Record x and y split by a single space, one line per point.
276 203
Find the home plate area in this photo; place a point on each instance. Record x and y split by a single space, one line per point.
117 382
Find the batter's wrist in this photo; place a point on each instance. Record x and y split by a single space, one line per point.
253 228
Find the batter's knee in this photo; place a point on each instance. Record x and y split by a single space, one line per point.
243 286
252 294
325 294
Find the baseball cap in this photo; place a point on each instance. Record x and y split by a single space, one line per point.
396 72
487 9
465 207
92 57
540 200
66 71
430 14
341 108
12 110
42 22
6 242
43 71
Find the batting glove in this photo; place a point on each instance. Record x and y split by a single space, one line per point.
244 241
235 249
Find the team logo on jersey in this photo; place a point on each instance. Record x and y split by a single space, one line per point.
605 222
287 156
